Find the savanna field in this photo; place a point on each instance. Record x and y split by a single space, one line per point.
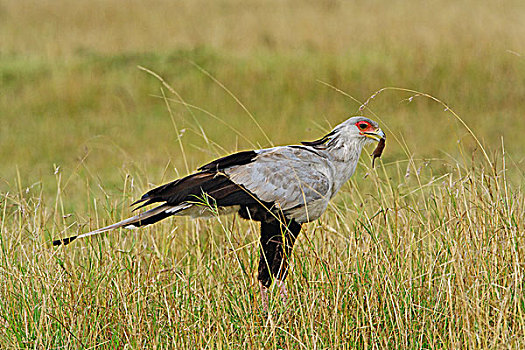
424 251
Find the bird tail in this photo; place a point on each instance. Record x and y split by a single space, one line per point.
146 218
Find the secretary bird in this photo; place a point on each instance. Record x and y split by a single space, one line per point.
281 187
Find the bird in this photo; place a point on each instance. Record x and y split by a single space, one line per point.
281 187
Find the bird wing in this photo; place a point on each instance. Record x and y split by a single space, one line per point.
289 176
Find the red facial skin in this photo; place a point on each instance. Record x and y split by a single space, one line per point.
364 126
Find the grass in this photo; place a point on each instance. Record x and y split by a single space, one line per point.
424 251
408 261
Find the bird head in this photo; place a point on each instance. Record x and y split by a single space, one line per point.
357 131
360 128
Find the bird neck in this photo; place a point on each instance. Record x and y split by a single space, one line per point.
344 156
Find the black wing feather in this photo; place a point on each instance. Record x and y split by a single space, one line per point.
208 180
217 187
239 158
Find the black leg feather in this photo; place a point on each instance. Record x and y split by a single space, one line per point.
273 262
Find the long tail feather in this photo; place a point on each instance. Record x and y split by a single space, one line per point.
146 218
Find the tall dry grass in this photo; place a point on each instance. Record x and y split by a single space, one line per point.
420 254
425 251
64 27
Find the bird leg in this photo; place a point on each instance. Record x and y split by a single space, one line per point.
273 263
267 255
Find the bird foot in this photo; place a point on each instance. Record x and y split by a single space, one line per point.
283 291
264 293
264 296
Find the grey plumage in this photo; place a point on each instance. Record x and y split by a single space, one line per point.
291 178
282 187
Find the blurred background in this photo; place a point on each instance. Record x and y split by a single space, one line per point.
76 110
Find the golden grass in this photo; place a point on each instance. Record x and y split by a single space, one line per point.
425 251
406 259
63 27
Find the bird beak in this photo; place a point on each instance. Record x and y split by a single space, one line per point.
376 135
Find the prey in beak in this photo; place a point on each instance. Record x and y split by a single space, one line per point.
371 131
379 136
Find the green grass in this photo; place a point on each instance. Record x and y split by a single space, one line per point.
392 263
100 109
425 251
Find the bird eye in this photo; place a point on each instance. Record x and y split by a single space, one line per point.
362 126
